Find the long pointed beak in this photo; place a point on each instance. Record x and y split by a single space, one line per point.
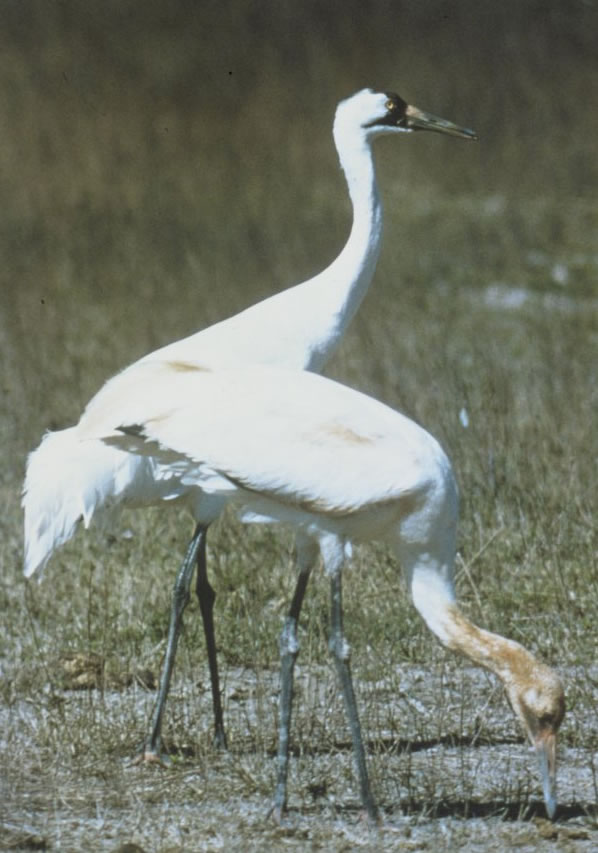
419 120
545 745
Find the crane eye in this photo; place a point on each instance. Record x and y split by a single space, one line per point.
390 105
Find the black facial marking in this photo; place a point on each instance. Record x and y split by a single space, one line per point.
398 103
395 112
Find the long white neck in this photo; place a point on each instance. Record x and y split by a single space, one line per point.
358 258
353 269
300 327
342 285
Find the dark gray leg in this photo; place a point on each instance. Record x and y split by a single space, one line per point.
307 553
340 649
206 596
180 599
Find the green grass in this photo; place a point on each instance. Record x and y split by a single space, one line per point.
148 192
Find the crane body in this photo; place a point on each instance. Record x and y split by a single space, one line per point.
299 328
339 467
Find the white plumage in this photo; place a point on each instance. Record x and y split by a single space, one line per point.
339 467
299 328
243 432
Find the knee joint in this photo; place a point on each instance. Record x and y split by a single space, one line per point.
339 647
288 643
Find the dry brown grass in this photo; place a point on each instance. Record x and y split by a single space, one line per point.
164 165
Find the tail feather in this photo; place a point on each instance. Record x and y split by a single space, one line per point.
68 481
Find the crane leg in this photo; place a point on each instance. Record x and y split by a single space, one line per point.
307 553
340 649
206 597
180 599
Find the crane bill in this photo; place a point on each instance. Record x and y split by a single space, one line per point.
416 119
545 745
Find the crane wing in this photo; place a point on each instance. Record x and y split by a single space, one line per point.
288 436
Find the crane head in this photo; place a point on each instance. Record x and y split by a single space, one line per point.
538 700
386 112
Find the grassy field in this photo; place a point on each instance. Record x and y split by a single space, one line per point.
165 165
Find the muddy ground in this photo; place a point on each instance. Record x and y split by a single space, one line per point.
69 783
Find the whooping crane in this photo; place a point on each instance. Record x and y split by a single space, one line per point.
339 467
299 328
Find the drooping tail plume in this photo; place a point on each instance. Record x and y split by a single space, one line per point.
68 481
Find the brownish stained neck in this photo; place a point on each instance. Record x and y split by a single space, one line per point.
507 659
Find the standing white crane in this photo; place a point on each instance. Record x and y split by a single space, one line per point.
67 481
339 467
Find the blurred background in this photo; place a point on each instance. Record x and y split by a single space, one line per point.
166 164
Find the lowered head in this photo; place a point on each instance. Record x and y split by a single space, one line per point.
376 113
534 690
537 698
